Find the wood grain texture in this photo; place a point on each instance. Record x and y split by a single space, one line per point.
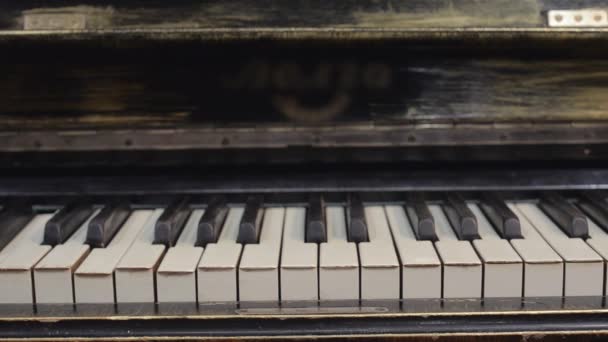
317 88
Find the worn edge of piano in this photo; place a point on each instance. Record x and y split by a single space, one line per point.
479 34
345 135
409 318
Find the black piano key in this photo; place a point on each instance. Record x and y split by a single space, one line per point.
502 218
357 225
595 206
420 216
211 222
13 218
106 223
69 218
171 222
461 217
565 215
251 222
315 220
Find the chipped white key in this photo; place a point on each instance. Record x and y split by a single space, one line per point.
134 274
543 268
338 260
379 263
421 267
94 279
298 259
502 266
584 270
53 274
217 270
176 275
461 266
259 268
17 260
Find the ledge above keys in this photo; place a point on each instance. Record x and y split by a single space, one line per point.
244 19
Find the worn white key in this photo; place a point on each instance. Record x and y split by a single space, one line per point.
134 274
217 270
543 268
259 268
53 274
94 279
598 240
584 270
461 266
298 259
421 267
17 260
502 266
338 260
176 275
379 263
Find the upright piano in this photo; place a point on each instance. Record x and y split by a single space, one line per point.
263 169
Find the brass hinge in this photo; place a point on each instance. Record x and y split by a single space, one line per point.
578 18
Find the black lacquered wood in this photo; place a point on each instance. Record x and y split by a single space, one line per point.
210 224
106 223
67 220
420 216
357 224
251 222
316 230
505 222
13 218
171 222
593 203
565 215
461 218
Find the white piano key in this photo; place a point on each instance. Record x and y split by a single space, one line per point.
379 264
503 268
462 272
176 275
217 270
298 259
53 274
598 240
584 270
338 260
134 274
259 267
17 260
94 279
543 267
421 267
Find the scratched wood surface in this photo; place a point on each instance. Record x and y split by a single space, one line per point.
281 83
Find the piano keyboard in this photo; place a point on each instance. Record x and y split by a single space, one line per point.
316 251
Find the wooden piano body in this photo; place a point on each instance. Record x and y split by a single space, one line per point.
149 100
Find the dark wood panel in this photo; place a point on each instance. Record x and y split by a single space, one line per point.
302 84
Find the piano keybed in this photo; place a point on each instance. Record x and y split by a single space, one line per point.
316 251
